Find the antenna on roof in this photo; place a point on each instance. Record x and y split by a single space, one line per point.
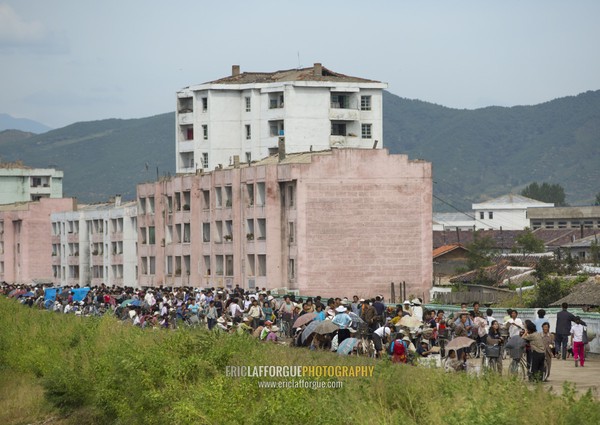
299 65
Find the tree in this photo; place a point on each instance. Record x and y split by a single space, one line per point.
527 243
546 192
480 251
597 203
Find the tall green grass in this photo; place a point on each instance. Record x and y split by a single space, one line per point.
102 371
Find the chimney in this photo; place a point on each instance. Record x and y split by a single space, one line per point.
236 161
281 148
235 70
117 200
318 70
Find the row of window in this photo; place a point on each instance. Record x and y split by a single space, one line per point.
96 272
276 128
565 224
93 226
276 101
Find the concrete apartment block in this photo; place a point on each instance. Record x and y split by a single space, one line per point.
19 183
95 244
331 223
25 238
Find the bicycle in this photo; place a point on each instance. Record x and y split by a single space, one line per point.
519 368
283 328
491 358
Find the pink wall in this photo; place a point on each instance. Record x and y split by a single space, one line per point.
362 219
27 239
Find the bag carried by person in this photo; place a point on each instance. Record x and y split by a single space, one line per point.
584 338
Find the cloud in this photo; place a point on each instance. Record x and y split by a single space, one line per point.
20 36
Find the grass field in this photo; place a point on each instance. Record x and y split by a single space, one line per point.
85 370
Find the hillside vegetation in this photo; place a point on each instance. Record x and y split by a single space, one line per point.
99 370
476 154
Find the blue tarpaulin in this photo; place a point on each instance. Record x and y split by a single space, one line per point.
50 293
80 293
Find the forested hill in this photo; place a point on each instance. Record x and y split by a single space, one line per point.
476 154
491 151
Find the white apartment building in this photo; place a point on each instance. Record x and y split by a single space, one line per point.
250 114
95 244
19 183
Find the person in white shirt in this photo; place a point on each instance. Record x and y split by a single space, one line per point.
577 343
514 324
380 335
235 311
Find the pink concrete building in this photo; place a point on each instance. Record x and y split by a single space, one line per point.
339 222
25 239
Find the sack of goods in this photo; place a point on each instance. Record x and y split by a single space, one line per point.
492 351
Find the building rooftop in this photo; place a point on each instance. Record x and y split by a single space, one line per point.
511 200
586 293
314 73
564 212
446 249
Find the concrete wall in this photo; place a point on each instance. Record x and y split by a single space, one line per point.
361 219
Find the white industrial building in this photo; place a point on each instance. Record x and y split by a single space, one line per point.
19 183
508 212
95 244
248 114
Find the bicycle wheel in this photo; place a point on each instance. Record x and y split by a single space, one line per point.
546 371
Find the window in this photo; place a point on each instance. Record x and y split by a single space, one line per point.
338 129
205 232
143 235
228 197
152 265
229 265
142 206
207 265
250 229
205 160
549 225
260 193
219 197
575 224
292 232
204 104
536 224
206 199
189 133
151 239
177 266
365 103
219 226
205 132
292 269
262 265
144 265
250 194
248 157
262 228
562 224
481 215
228 230
219 265
248 132
365 131
276 128
151 205
275 100
291 195
248 104
340 101
186 233
491 215
186 200
251 267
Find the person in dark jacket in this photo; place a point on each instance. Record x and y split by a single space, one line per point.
563 329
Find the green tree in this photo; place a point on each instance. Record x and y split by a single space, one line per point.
597 203
546 192
480 251
527 243
595 252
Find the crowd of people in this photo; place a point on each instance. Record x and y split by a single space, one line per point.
404 332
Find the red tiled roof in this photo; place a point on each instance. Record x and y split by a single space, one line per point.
444 249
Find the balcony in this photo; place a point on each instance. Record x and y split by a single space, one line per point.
73 260
342 114
186 146
116 236
116 259
186 117
73 237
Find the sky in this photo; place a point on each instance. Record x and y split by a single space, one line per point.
65 61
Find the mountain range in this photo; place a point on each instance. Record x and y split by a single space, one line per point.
476 154
8 122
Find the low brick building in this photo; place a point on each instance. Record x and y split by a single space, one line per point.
338 222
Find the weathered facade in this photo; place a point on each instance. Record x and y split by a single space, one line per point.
340 222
